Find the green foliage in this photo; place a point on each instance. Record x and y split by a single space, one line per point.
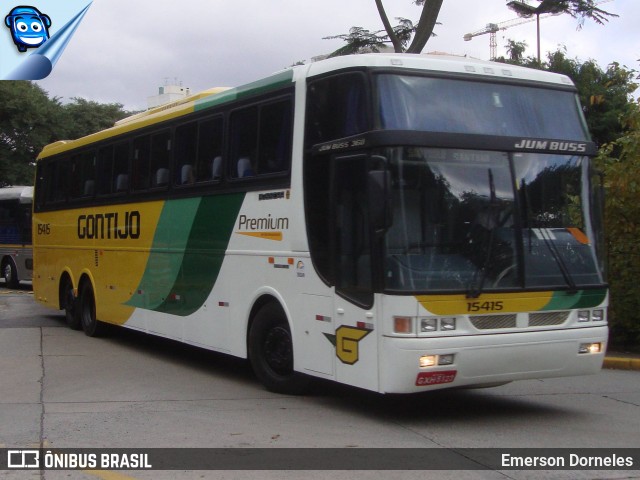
357 40
622 228
29 120
580 9
613 119
407 36
83 117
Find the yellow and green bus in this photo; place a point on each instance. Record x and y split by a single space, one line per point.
16 257
399 223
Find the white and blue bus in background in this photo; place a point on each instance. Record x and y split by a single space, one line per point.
16 253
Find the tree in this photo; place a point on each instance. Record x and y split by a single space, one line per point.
362 40
580 9
622 227
359 39
28 121
516 50
83 117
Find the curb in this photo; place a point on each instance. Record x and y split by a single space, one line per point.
621 363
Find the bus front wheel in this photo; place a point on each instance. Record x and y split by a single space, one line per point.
87 311
271 352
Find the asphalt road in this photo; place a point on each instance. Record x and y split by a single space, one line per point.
61 389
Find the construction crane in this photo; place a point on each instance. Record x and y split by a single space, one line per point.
528 13
493 28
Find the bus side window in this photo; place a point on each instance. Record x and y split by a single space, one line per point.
83 171
58 174
275 138
160 159
105 170
121 167
113 169
261 139
185 154
141 159
209 159
244 142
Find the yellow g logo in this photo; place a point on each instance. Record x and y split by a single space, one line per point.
346 342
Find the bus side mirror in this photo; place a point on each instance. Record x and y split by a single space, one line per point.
380 200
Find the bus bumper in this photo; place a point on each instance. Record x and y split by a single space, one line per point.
484 360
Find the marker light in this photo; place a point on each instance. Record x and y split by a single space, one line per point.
403 325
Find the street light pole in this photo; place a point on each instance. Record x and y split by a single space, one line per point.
523 9
538 25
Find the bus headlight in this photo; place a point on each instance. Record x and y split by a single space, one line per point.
448 324
428 324
583 315
597 315
423 326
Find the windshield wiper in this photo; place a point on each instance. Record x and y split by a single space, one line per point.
557 256
477 282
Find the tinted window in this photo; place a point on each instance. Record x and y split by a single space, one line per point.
209 162
260 139
337 108
457 106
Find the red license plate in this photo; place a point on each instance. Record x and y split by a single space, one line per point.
424 379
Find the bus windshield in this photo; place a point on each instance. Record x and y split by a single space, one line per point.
419 103
467 220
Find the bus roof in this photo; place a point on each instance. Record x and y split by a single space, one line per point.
439 63
217 96
22 194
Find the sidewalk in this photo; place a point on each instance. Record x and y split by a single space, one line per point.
622 361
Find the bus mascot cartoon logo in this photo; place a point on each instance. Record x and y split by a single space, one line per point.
29 27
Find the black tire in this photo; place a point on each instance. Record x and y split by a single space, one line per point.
10 274
87 312
70 303
271 352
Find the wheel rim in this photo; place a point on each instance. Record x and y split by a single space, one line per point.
7 273
278 350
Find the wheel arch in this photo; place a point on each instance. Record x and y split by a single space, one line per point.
66 276
76 284
262 299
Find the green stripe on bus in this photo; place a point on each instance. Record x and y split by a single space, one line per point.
193 263
581 299
167 253
273 82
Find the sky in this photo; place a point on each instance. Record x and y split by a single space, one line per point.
124 50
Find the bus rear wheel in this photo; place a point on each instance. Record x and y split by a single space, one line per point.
87 312
271 352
